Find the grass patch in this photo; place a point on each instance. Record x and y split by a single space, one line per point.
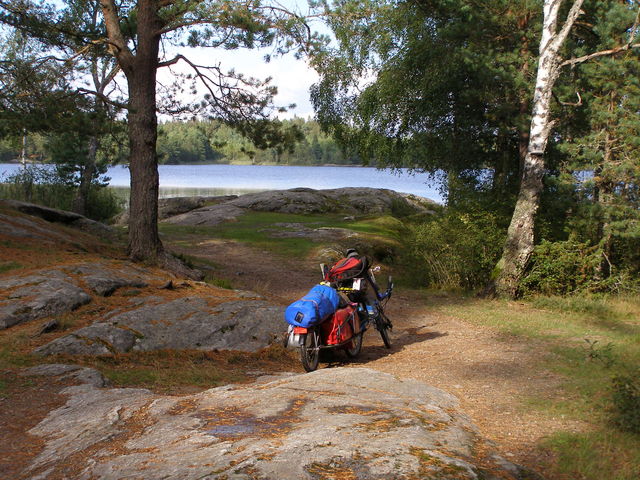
260 229
10 355
8 266
555 321
178 371
595 455
219 282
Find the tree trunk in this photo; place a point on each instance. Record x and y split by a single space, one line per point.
603 196
82 194
520 236
144 241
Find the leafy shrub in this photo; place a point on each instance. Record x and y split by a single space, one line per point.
455 249
39 184
560 268
603 354
103 204
42 184
626 401
401 208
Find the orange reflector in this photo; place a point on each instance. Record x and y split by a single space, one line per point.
299 330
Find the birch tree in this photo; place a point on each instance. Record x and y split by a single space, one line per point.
520 236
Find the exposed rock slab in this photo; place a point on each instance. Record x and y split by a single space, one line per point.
29 228
84 375
38 296
170 207
185 323
333 423
105 279
174 206
352 200
56 291
208 216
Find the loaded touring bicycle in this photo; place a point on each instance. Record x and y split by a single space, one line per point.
336 313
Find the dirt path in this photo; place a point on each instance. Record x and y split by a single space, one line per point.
490 374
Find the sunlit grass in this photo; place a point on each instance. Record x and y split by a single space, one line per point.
260 230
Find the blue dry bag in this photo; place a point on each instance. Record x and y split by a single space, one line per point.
312 309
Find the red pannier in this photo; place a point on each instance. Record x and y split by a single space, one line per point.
339 327
347 268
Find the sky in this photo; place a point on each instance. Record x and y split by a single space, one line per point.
293 77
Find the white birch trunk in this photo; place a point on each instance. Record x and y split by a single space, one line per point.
520 236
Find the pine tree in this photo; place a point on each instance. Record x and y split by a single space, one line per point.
133 34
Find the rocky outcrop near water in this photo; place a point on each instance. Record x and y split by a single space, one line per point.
172 206
150 314
351 200
351 423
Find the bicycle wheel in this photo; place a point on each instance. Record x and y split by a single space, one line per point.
356 346
310 350
383 325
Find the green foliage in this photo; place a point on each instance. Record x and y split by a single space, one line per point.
626 400
454 249
44 186
400 209
103 204
560 268
288 142
38 184
604 354
433 101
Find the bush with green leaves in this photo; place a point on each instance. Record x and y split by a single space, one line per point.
103 204
39 184
454 249
43 185
571 266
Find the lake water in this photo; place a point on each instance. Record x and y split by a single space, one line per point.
203 180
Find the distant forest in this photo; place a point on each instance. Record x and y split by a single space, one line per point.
201 142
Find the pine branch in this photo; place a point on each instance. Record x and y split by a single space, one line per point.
102 97
612 51
602 53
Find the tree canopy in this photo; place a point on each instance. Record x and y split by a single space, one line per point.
450 85
146 35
